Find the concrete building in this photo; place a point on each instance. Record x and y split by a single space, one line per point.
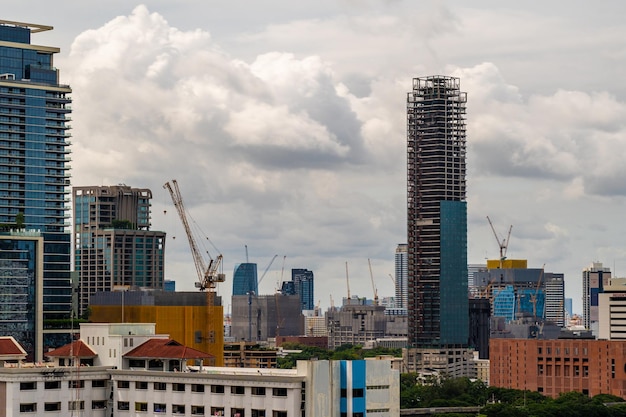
259 318
595 278
355 324
555 299
401 280
147 380
185 316
436 213
114 246
34 168
553 367
612 311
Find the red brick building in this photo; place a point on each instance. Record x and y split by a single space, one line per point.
555 366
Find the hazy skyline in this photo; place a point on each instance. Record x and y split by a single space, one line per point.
285 125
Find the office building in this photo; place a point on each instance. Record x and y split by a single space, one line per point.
259 318
595 278
554 367
401 281
21 284
245 279
34 163
555 298
437 213
355 324
114 246
303 282
612 311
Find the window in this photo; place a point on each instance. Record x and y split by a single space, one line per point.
137 363
279 392
258 413
75 405
140 406
141 384
238 390
576 370
160 386
197 388
539 369
217 389
585 370
178 409
258 390
27 386
357 392
217 411
52 385
178 387
76 384
237 412
28 408
197 410
123 405
160 408
276 413
52 406
98 405
123 384
98 383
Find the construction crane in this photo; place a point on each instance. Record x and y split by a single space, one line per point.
348 284
373 285
392 279
266 269
533 297
502 243
208 275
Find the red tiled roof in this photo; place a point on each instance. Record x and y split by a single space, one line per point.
77 348
165 349
8 346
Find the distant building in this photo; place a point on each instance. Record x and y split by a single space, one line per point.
401 280
169 285
355 324
554 367
479 329
114 245
595 278
555 299
612 311
245 279
258 318
304 285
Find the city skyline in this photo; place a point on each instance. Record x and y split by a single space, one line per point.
299 140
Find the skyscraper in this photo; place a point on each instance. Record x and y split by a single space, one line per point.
245 279
595 278
303 281
437 213
34 162
401 276
114 246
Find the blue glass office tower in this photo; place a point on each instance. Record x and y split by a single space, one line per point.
34 169
436 213
303 283
245 279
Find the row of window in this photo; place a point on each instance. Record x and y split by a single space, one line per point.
198 410
56 406
558 350
31 385
216 389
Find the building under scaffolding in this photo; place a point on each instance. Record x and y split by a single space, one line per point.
437 213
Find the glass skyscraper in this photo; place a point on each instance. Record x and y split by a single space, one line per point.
436 213
245 279
34 163
303 282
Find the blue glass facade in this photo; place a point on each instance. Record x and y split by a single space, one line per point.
34 162
304 286
245 279
352 380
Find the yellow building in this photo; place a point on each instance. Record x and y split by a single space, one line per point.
507 264
185 316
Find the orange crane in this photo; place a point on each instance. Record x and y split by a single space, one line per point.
373 285
208 275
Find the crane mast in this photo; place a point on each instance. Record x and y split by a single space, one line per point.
373 285
208 275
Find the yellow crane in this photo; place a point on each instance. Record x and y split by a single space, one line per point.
373 285
208 274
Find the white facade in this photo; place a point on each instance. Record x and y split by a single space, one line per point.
402 273
612 313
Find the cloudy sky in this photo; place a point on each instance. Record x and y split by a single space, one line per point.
284 125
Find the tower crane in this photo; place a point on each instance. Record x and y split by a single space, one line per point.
348 284
208 275
373 285
504 243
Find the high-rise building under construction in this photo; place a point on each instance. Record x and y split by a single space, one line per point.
437 213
